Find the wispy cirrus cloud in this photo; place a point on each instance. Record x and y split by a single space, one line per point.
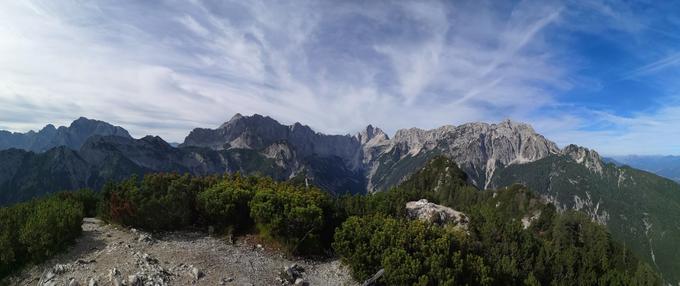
670 61
337 66
164 68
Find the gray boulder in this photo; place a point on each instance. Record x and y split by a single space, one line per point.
437 214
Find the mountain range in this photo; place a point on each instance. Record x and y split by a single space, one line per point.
639 208
665 166
49 137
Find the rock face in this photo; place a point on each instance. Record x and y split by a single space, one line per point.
330 161
589 158
49 137
368 161
373 143
259 132
478 148
437 214
527 221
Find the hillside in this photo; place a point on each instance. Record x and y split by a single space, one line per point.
508 236
665 166
639 208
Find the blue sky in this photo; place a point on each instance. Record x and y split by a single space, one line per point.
602 74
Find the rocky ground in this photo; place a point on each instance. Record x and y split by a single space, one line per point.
112 255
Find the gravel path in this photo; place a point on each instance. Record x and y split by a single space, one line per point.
111 255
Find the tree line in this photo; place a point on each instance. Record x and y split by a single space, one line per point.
368 232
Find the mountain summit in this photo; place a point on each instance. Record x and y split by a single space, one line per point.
259 132
479 148
49 137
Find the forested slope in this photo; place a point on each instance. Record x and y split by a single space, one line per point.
512 237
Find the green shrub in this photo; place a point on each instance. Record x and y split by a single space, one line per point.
294 216
301 219
225 205
160 202
34 231
116 204
87 197
411 252
11 251
165 202
51 226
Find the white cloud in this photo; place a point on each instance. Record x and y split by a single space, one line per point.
193 26
337 66
666 62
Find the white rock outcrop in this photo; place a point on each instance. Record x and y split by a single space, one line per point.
434 213
588 158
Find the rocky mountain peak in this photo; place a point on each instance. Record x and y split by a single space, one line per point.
259 132
49 128
242 121
236 116
417 140
300 128
516 125
479 148
84 126
371 134
47 132
49 137
243 132
155 140
589 158
81 120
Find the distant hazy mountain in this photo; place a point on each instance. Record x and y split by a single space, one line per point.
666 166
25 174
639 208
49 137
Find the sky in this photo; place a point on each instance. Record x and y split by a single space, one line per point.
601 74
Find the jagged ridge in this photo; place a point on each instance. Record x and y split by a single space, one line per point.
49 137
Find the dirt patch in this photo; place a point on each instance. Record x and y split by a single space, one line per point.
107 254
